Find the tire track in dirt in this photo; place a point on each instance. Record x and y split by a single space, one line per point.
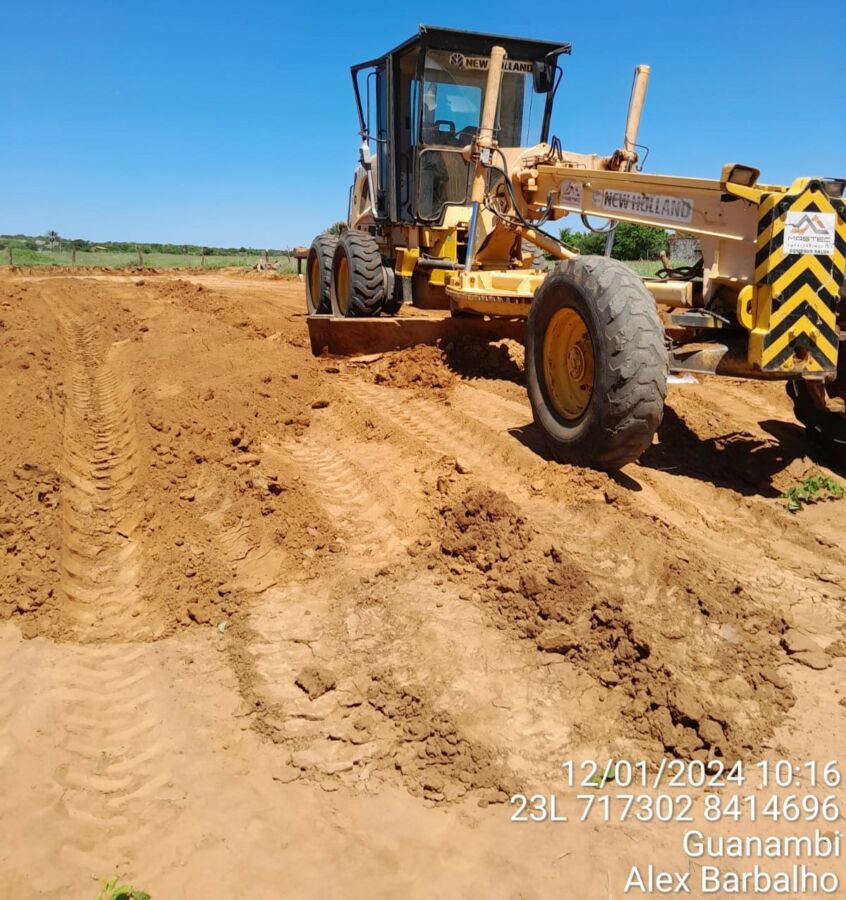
111 740
449 431
759 532
492 409
479 429
336 737
100 556
108 727
385 719
11 684
335 481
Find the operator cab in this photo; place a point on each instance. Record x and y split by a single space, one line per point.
420 105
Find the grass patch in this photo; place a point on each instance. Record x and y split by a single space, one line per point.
648 267
119 259
111 259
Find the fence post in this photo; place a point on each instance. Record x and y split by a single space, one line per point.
264 258
10 254
73 256
140 255
202 257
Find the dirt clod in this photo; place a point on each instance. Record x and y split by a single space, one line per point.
315 682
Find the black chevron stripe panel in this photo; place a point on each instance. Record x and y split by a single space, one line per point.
802 341
826 331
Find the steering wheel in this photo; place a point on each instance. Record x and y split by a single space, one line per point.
466 135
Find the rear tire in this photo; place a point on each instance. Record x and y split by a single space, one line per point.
596 363
358 279
393 292
319 274
826 427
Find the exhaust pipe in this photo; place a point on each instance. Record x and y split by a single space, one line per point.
641 80
628 155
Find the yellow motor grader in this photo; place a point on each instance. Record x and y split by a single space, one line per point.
457 180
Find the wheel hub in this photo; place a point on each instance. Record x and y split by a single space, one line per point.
576 363
568 362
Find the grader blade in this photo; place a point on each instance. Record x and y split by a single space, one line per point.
348 337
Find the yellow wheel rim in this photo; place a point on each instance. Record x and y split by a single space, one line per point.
568 363
342 284
314 282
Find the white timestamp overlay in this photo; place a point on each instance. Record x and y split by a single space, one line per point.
794 808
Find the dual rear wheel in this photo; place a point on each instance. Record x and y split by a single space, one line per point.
345 277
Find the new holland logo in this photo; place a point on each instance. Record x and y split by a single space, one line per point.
809 233
481 63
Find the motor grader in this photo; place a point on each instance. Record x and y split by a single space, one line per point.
458 178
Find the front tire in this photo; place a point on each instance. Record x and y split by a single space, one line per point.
596 363
358 279
319 274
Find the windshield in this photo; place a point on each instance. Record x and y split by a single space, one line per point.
453 94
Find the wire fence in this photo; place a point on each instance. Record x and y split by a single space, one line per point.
284 261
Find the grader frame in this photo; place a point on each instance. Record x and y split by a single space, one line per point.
443 217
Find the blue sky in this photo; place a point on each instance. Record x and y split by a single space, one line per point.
234 124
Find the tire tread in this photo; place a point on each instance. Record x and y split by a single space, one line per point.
627 417
367 281
323 251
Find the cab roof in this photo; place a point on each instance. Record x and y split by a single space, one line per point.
431 36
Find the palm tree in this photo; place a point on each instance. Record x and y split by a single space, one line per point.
53 237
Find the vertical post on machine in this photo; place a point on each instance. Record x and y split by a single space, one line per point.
484 147
636 101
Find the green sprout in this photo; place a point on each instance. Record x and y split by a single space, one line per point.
812 490
113 890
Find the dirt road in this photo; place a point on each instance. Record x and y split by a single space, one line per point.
273 625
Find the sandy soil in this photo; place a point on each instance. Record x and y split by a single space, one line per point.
273 625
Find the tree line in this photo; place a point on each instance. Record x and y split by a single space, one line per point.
631 242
